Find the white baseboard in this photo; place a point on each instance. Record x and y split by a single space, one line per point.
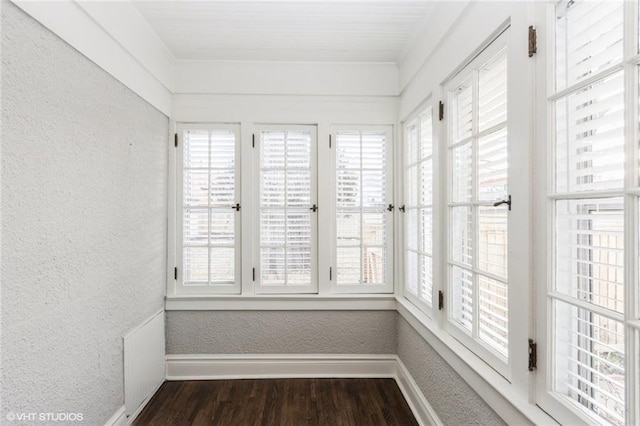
419 405
119 418
220 367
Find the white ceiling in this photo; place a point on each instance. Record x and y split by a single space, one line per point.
327 31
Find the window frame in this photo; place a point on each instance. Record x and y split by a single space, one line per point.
180 288
426 306
547 197
387 287
312 288
501 42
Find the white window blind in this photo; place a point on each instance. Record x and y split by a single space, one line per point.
418 219
209 223
478 231
590 291
363 220
287 210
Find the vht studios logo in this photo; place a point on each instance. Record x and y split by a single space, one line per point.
45 417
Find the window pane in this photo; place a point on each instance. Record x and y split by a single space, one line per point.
462 173
462 285
196 265
374 151
411 189
461 235
411 143
222 260
426 173
427 230
426 270
589 362
373 229
590 251
298 150
272 150
348 151
493 166
374 191
426 134
461 111
348 228
298 229
348 191
588 39
492 240
373 265
195 227
272 227
196 149
223 145
222 187
299 266
195 187
349 265
273 266
590 137
272 188
493 325
411 272
299 188
411 229
222 227
492 92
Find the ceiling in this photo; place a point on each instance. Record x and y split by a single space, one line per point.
323 31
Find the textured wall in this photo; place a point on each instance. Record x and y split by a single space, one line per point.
281 332
84 172
455 402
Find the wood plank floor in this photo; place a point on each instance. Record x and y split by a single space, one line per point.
331 402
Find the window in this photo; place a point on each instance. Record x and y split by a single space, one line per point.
283 252
479 205
364 211
418 223
594 205
287 210
207 193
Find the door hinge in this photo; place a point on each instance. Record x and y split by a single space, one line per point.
401 208
175 140
441 111
440 300
533 41
175 273
330 273
390 208
236 207
533 355
254 274
329 141
253 140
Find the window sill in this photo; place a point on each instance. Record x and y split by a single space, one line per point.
497 392
357 302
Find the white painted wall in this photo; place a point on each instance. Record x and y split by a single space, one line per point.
287 78
84 166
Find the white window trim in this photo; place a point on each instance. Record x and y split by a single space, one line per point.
387 287
312 288
176 215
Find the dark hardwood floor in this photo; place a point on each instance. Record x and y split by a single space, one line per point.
331 402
